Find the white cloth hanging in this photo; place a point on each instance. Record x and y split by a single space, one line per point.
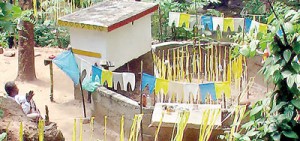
176 89
254 25
238 22
123 79
128 78
190 88
218 21
118 78
174 17
84 65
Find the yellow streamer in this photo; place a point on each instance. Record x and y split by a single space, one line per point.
122 128
178 65
105 123
74 131
209 118
187 62
174 64
81 130
133 129
34 8
21 132
159 125
169 67
41 126
92 128
184 117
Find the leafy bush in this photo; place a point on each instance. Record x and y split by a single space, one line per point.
47 34
274 118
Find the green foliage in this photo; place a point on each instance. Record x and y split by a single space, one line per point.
47 34
3 136
273 118
161 20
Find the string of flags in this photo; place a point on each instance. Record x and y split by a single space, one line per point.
182 90
94 75
217 23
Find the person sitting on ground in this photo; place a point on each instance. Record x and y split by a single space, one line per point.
26 102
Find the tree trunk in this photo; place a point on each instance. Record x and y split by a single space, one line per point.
26 65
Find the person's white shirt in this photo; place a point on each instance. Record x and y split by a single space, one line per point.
21 100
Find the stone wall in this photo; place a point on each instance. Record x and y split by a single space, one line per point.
114 105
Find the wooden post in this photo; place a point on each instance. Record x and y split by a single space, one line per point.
141 101
83 104
51 81
49 62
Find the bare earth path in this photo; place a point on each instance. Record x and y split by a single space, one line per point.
65 108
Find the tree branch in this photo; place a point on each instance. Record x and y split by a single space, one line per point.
281 26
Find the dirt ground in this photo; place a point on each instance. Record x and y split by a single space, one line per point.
65 108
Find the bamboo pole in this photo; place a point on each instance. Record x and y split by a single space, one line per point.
141 101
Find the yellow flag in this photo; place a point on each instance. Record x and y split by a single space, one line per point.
107 77
184 19
263 28
228 22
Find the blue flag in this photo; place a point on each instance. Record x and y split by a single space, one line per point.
207 88
207 21
67 63
248 23
149 80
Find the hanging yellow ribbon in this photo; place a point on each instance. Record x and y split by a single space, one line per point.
74 131
174 64
159 125
122 128
133 129
169 67
41 126
138 126
187 62
178 65
163 66
81 129
184 117
181 64
194 63
21 132
92 128
105 123
209 118
34 8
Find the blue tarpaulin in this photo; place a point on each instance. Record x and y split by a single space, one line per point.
67 63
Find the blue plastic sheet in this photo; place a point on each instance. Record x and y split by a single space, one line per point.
149 80
67 63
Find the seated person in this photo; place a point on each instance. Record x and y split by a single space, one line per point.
26 102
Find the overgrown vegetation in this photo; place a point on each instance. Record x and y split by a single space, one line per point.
160 21
274 118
